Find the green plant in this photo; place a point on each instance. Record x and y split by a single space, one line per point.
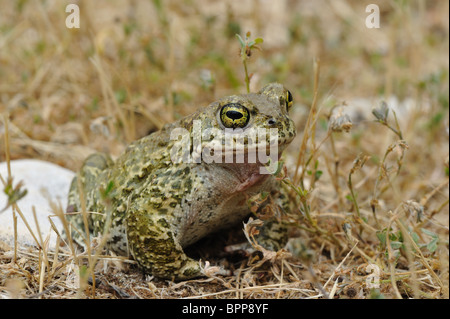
247 46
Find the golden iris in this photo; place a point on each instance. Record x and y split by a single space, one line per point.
289 100
234 115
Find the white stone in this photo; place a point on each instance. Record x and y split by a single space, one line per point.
42 180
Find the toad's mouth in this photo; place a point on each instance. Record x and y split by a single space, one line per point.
265 153
274 147
262 147
227 148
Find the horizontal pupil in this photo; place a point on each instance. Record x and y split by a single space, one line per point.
234 115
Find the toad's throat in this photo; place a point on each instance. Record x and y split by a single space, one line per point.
252 180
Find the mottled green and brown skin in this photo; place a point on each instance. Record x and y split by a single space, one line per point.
157 207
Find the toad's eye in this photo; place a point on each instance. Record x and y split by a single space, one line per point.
289 100
234 115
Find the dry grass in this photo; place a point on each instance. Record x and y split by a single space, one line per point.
376 195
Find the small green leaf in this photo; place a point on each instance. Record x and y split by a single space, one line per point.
316 164
109 187
14 193
415 237
429 233
241 42
105 192
258 40
121 95
381 112
83 271
376 294
279 168
318 174
381 235
396 244
433 243
264 195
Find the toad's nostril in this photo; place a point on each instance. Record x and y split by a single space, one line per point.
271 122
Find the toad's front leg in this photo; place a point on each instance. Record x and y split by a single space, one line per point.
154 246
